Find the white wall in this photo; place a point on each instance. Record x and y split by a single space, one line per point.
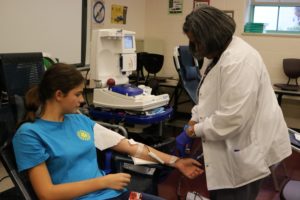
272 48
161 32
135 20
164 31
32 26
135 16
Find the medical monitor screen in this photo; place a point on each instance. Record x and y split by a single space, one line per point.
128 41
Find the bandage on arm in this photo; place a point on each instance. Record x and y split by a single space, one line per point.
140 148
154 156
171 162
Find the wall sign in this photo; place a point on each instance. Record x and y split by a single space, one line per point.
175 6
198 3
98 11
230 13
118 14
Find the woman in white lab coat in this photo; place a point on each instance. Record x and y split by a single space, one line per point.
237 117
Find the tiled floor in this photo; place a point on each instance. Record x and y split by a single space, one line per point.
6 183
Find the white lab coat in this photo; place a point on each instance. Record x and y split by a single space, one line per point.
239 120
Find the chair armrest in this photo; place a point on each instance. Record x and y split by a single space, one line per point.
294 142
119 159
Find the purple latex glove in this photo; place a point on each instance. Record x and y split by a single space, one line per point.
183 143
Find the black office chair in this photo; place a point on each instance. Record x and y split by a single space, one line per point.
140 57
188 69
152 63
291 68
18 72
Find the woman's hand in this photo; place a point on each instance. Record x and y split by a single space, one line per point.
190 131
189 167
117 181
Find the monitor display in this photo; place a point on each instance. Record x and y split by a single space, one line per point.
128 41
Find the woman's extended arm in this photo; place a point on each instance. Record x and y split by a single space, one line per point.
45 189
105 138
189 167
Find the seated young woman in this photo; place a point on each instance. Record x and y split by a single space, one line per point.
57 147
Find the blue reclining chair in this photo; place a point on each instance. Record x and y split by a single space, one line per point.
189 75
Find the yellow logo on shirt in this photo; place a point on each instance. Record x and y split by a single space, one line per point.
83 135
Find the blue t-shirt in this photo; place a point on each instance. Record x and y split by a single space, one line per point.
66 147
